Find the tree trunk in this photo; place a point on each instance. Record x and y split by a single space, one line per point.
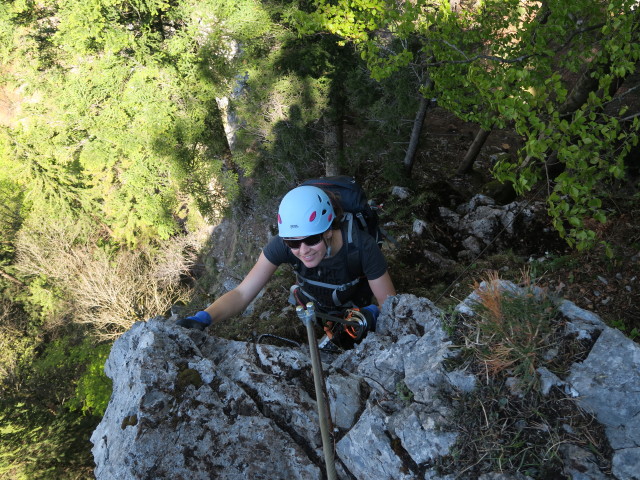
231 125
11 278
332 150
333 121
416 131
474 150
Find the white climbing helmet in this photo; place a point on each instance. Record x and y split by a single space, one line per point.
304 211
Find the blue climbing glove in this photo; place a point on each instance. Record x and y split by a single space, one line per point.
371 313
198 321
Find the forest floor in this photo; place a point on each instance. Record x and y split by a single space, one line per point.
609 287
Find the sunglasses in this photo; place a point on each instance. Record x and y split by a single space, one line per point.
309 241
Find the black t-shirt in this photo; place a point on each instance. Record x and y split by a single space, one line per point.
335 270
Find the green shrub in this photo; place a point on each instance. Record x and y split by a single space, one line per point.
38 443
78 371
93 388
50 405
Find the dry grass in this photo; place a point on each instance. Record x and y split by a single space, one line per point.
513 328
107 290
506 424
503 433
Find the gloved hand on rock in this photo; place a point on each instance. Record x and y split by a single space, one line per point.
198 321
371 313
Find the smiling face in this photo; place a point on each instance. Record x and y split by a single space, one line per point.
312 255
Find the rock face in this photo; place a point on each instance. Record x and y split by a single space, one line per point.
187 405
476 227
608 382
481 223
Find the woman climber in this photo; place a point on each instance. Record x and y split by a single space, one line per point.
321 247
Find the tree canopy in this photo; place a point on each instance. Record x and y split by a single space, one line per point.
517 64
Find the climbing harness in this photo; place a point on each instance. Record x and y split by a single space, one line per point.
355 324
308 317
353 242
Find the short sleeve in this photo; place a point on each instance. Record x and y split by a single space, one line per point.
277 252
374 265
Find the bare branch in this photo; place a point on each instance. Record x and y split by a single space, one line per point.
519 59
630 117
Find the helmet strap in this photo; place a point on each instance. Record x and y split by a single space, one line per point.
328 247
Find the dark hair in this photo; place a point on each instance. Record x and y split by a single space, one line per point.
337 209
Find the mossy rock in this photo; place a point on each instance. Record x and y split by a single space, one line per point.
188 376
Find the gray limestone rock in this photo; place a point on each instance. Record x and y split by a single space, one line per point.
187 405
176 412
608 384
480 223
580 464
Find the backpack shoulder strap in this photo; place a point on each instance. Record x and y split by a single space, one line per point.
354 248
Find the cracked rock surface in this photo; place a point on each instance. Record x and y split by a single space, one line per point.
188 405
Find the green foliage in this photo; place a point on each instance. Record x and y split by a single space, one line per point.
11 201
44 297
384 111
280 147
114 137
19 341
633 333
77 368
110 25
96 161
42 435
520 78
93 387
404 393
40 445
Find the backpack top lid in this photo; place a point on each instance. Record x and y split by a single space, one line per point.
353 200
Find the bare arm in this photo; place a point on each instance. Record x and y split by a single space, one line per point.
382 288
235 301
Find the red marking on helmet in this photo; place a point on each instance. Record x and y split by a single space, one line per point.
279 219
330 217
312 217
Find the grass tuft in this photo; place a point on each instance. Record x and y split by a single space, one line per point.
506 424
514 328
